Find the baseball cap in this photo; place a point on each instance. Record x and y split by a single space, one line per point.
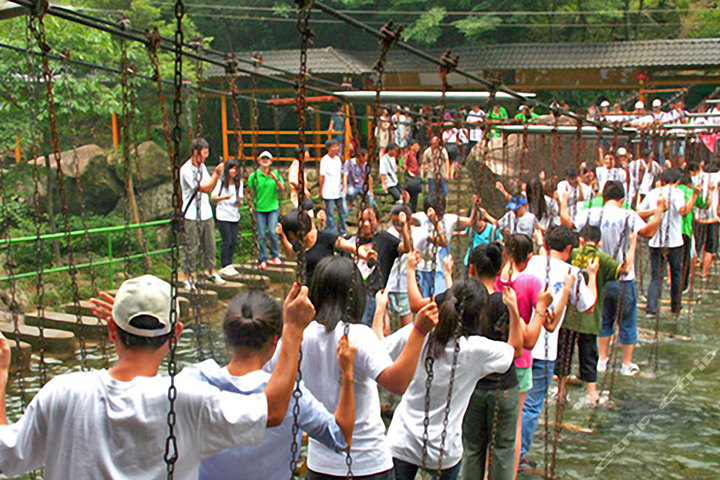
604 103
143 296
516 203
621 151
522 107
639 105
265 154
657 102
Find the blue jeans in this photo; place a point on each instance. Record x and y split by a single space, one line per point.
444 187
657 276
369 313
425 282
628 315
542 373
266 222
357 192
407 471
330 205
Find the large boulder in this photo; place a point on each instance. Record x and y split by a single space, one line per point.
153 203
101 189
75 161
154 166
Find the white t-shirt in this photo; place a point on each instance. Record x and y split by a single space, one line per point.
420 240
388 167
227 210
89 425
450 135
190 179
634 168
475 118
369 450
478 357
709 214
652 173
525 224
615 224
580 296
332 169
269 460
564 188
397 279
669 235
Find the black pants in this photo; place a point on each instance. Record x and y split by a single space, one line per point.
687 247
386 475
657 276
229 234
395 191
413 185
587 354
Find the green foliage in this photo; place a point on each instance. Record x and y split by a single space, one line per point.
427 29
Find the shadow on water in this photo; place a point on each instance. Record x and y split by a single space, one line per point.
666 428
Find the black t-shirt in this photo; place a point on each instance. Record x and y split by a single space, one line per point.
499 317
324 247
386 245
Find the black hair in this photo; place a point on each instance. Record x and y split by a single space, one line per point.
536 198
337 292
560 237
251 319
298 151
692 166
330 142
434 201
711 167
144 322
225 182
590 233
198 145
401 207
363 152
671 175
486 259
519 246
613 190
373 208
571 172
462 313
292 222
390 146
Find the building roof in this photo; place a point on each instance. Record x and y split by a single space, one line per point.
542 56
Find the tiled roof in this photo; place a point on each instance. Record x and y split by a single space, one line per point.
552 56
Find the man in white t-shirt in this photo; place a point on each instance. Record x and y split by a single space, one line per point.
113 423
196 183
576 191
668 237
333 183
567 285
388 172
706 219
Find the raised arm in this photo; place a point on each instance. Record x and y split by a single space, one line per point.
345 411
210 185
5 356
515 334
415 298
398 376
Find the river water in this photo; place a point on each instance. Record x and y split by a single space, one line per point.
663 427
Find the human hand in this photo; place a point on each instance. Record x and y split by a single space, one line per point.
402 218
298 310
544 300
219 169
427 318
346 352
569 281
413 260
448 263
5 356
593 267
102 309
697 190
509 297
382 298
367 253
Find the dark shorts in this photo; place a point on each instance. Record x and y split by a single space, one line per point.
386 475
706 237
587 353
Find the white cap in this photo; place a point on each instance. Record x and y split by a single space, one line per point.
604 103
657 102
146 295
265 154
639 105
621 151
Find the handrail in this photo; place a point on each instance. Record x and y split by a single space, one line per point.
53 236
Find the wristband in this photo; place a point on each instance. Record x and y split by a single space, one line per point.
345 382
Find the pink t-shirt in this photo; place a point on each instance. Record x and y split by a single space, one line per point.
526 289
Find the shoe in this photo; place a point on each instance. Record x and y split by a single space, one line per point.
276 261
263 266
651 316
602 365
189 285
629 370
216 278
229 271
526 465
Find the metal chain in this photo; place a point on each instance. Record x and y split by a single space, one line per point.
548 377
125 126
254 114
429 376
199 78
171 452
446 418
37 28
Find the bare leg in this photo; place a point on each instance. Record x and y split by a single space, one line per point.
518 434
707 262
603 347
592 392
627 353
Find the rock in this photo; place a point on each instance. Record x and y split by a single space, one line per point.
22 302
74 162
102 188
156 202
154 166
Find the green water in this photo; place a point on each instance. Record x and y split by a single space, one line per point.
661 428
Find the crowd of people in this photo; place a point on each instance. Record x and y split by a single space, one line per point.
470 349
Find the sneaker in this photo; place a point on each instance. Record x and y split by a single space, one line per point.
629 370
189 285
602 365
263 266
526 465
276 261
651 316
229 271
216 278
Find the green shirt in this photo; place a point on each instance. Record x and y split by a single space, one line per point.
609 270
686 226
265 192
493 116
598 201
521 116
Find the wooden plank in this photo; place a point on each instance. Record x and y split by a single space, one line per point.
651 332
277 274
56 342
21 361
92 328
568 426
224 291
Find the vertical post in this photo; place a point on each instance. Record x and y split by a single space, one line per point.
110 260
115 136
223 120
18 153
318 138
346 124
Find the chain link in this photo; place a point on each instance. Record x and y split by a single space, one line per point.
199 79
171 452
429 376
125 126
37 28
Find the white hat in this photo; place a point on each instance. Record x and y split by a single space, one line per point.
639 105
265 154
146 295
657 102
604 103
621 151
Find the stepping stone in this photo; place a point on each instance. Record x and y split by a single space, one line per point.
56 342
21 361
85 308
205 298
92 328
252 280
224 291
277 274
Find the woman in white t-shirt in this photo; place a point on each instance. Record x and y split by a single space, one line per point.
338 294
228 194
453 345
